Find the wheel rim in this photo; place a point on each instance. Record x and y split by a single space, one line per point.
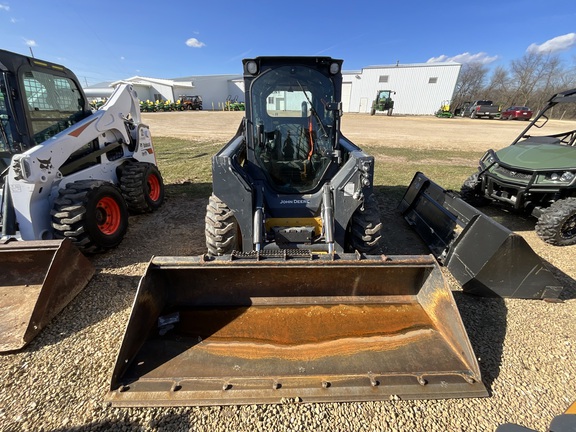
569 228
108 215
154 188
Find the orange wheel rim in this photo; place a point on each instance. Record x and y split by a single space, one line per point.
153 187
108 215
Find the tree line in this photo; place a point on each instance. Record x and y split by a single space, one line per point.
529 81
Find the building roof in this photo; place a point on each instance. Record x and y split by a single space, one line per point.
401 65
145 81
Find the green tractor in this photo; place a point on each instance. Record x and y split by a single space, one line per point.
383 102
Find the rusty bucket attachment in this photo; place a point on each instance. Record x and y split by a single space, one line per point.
486 258
249 329
38 279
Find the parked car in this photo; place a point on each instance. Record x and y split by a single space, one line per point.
480 108
516 113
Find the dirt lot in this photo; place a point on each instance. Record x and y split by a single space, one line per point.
526 349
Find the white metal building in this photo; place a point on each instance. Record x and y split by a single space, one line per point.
420 88
214 89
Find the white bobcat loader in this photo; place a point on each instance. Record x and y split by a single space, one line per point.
69 178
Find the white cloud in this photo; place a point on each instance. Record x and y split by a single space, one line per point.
464 58
195 43
30 42
559 43
4 7
122 58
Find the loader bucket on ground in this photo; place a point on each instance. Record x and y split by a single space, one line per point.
37 280
219 331
486 258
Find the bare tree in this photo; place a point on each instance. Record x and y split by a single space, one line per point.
499 86
470 84
535 76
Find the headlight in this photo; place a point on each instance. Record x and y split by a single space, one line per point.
334 68
488 159
252 67
565 177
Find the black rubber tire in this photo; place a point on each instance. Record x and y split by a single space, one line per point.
222 233
142 187
92 214
364 229
470 192
557 223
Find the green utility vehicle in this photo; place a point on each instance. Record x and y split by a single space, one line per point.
535 175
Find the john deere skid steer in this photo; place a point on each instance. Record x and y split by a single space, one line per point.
292 300
68 179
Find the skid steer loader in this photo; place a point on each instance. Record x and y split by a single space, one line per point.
292 301
69 178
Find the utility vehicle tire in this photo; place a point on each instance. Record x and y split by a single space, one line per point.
364 229
92 214
142 187
470 192
222 233
557 223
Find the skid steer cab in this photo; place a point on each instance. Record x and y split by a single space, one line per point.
68 172
69 177
291 301
289 179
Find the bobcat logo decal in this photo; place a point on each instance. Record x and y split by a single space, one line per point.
45 164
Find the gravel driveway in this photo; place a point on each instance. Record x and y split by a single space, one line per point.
526 349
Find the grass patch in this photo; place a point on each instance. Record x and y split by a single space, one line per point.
186 166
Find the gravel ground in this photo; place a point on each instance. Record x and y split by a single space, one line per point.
526 349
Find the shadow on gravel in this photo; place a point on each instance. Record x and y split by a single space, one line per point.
104 296
110 425
485 322
161 421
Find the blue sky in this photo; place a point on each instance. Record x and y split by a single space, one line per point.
105 40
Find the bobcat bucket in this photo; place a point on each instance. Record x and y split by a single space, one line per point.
38 279
256 328
486 258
